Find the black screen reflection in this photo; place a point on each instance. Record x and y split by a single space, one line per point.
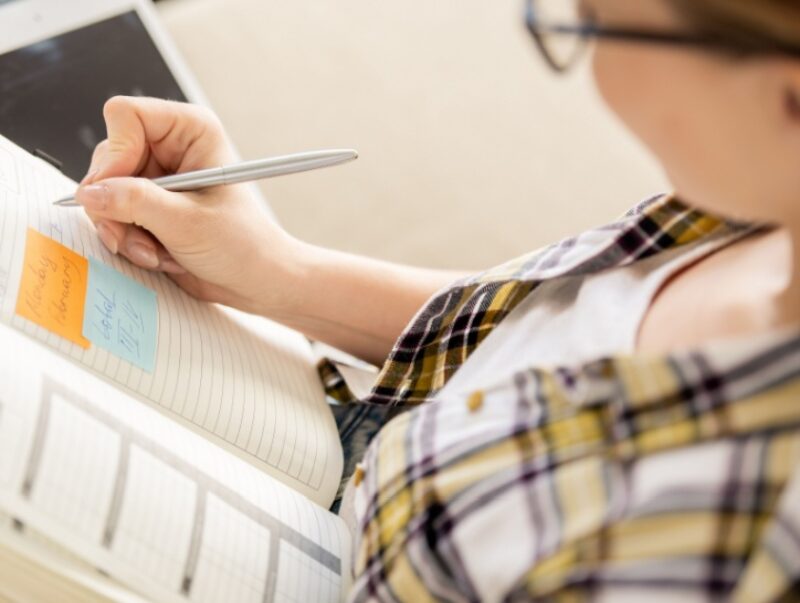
52 92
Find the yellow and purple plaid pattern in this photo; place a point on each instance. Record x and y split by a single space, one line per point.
628 478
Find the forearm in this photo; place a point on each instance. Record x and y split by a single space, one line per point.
357 304
221 245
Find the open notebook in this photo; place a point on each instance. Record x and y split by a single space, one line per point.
199 470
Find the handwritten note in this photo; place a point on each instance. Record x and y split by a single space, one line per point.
121 315
53 287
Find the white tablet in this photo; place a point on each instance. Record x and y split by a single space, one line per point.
61 59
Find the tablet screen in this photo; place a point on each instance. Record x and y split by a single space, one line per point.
52 92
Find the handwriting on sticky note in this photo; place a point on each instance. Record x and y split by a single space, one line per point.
121 315
53 287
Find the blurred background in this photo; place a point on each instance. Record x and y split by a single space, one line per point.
472 151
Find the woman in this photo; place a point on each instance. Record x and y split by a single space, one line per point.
613 417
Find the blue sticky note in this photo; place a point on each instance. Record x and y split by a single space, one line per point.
121 315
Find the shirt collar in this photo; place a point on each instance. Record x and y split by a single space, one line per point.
449 327
660 223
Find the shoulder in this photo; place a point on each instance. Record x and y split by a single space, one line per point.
448 328
525 487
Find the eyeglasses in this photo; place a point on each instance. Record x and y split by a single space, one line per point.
562 30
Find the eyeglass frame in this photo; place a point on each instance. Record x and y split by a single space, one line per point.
590 30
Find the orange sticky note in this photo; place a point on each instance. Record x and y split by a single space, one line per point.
52 291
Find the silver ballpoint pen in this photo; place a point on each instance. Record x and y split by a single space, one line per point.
245 171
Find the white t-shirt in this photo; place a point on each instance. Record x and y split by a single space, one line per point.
571 320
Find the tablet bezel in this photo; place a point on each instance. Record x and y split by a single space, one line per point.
25 22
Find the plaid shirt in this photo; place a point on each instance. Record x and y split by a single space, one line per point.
629 478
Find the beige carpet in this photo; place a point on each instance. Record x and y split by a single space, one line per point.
471 151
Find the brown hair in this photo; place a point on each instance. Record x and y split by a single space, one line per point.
756 23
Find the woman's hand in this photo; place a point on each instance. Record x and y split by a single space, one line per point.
221 245
218 244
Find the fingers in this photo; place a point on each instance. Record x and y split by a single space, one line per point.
107 202
141 248
110 233
100 156
99 153
138 246
125 151
133 201
159 135
149 138
119 206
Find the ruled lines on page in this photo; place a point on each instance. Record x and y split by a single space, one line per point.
255 389
155 506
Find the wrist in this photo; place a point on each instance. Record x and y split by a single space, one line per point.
282 279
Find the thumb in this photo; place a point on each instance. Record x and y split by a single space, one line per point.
133 201
125 151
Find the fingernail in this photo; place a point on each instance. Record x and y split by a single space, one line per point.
171 266
143 255
93 197
107 236
89 176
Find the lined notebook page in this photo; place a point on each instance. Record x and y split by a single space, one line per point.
149 502
247 383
